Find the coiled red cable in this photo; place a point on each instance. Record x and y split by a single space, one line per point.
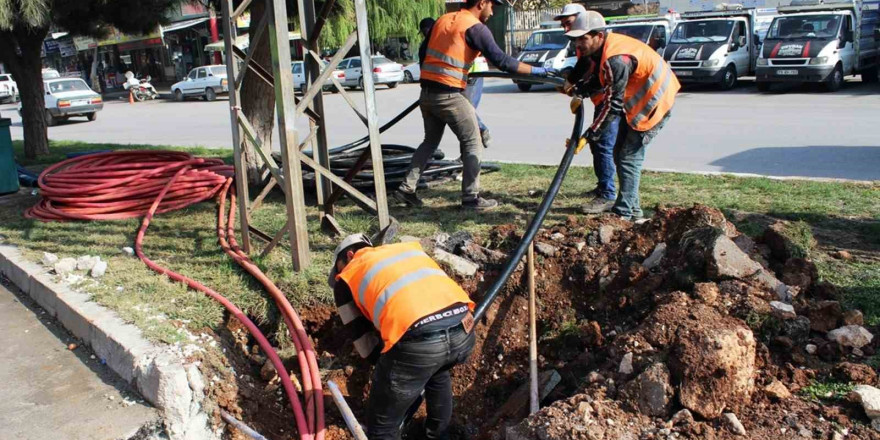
119 185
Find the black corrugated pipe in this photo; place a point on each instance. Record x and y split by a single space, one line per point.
532 229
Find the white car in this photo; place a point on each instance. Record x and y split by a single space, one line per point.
8 89
299 77
205 81
49 73
385 71
66 97
412 73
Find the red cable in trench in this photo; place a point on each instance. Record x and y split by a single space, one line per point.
118 185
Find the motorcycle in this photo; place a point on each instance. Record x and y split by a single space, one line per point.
141 90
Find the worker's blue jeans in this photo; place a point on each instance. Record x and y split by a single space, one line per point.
408 368
629 155
603 161
474 93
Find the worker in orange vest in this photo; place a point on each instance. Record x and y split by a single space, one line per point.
424 323
634 91
569 14
456 39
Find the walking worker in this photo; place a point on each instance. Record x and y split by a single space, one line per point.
457 38
637 92
424 322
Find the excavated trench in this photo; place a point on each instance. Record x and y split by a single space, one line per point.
631 342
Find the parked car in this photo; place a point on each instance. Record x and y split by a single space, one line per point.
8 89
205 81
412 73
50 73
67 97
385 71
299 77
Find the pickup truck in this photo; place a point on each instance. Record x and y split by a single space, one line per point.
653 31
822 43
716 47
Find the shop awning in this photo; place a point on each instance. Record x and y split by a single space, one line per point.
243 41
183 24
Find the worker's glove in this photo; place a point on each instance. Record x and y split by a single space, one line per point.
542 72
580 146
575 104
592 136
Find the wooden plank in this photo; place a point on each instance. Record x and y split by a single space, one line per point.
275 240
352 191
360 8
349 176
265 192
534 401
241 187
261 235
258 147
261 27
310 94
315 33
286 110
239 10
258 70
343 92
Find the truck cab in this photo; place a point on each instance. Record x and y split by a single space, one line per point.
653 31
548 48
822 43
714 47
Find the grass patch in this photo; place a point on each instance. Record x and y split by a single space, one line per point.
819 391
185 241
802 241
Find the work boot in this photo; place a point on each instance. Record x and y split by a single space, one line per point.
597 206
406 198
593 193
479 204
487 138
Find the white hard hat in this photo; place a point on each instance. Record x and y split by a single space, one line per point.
586 23
346 243
569 10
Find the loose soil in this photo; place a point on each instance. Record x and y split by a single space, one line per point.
596 303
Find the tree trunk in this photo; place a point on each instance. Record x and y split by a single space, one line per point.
20 52
258 97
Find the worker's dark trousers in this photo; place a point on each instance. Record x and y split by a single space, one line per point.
454 110
411 366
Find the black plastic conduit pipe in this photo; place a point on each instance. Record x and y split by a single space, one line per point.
533 227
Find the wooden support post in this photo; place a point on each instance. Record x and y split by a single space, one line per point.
286 109
241 177
360 10
533 335
349 176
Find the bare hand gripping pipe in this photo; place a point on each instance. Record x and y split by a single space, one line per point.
535 224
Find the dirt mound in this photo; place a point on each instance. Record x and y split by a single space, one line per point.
657 330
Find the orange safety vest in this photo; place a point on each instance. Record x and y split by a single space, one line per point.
650 91
448 57
398 284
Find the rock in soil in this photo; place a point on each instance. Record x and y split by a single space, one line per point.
855 373
128 251
656 257
87 262
49 259
683 417
733 423
65 266
777 390
459 266
626 364
650 393
842 255
853 317
713 359
854 336
545 249
799 272
606 234
782 310
869 397
824 316
99 269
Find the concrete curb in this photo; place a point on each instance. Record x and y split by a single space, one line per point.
162 377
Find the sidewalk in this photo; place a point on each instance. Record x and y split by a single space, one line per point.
50 391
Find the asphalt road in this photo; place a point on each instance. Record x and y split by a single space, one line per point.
800 133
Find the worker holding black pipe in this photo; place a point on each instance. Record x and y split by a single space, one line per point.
634 91
457 38
410 319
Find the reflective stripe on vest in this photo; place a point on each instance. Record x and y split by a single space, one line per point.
650 91
396 285
448 57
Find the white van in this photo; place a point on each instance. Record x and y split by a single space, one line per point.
546 48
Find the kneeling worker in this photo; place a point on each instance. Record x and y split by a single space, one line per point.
456 39
425 323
